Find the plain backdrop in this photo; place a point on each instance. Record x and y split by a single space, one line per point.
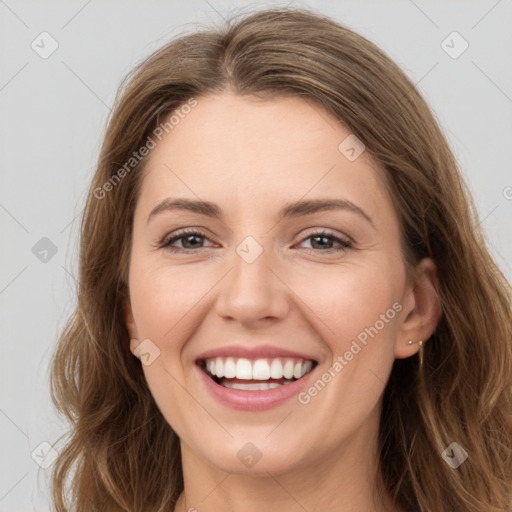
53 114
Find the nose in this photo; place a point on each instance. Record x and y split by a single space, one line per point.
253 291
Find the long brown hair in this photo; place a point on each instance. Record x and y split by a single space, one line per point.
121 454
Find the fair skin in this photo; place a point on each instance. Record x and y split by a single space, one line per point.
251 157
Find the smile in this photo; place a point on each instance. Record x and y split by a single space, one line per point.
256 375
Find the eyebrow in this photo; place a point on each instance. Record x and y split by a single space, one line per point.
291 210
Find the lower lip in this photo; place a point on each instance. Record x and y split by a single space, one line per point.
254 400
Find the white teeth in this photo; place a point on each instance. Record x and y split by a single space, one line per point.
257 386
276 369
306 367
219 367
244 369
259 369
229 369
288 370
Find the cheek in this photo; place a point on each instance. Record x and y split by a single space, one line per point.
357 312
165 301
348 299
179 407
162 296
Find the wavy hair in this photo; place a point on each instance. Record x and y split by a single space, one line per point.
121 454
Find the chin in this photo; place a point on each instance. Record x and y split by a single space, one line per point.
253 458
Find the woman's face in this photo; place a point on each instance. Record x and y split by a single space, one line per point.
267 282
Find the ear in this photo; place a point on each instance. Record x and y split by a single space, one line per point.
130 325
422 309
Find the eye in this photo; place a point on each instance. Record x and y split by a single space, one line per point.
323 241
190 239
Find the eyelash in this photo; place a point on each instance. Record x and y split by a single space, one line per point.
166 243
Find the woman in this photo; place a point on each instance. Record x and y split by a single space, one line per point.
338 339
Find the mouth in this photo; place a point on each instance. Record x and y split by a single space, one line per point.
256 374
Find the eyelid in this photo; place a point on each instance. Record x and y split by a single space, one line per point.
345 241
327 232
182 233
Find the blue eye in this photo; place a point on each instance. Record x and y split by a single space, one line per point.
328 238
186 236
192 238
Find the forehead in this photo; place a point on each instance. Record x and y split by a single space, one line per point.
246 150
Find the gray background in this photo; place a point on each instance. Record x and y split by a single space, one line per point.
54 112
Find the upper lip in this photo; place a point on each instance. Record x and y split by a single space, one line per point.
254 352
